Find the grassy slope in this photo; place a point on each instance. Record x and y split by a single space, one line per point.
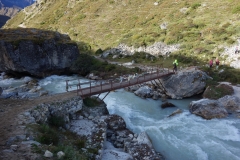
105 23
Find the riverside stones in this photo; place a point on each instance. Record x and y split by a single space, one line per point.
139 147
156 49
63 109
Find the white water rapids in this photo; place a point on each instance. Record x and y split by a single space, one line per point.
182 137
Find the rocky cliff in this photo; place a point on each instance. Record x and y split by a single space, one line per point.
35 52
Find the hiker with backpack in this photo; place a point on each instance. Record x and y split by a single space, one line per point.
175 64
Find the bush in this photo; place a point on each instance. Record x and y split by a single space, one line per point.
236 10
99 51
216 92
196 5
91 102
47 135
56 121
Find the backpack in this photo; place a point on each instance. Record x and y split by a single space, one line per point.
174 65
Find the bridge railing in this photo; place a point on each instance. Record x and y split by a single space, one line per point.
122 80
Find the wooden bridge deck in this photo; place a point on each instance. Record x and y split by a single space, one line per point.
98 87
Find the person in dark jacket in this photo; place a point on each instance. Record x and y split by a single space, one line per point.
217 63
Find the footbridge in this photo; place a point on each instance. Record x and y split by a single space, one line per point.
94 87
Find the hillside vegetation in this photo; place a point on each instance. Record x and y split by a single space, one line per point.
202 27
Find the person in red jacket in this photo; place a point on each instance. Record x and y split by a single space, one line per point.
211 63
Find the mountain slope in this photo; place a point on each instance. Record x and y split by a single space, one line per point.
9 8
201 27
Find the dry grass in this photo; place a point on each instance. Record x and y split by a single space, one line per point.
106 23
36 35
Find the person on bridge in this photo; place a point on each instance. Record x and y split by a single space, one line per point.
175 64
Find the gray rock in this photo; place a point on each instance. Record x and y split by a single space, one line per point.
144 92
208 109
178 111
115 122
21 137
231 103
43 93
10 141
167 104
64 109
14 147
184 84
7 151
60 154
48 154
144 139
11 95
31 142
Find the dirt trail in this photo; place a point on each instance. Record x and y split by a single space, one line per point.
10 108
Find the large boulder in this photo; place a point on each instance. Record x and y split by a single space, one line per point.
208 109
231 103
38 57
185 83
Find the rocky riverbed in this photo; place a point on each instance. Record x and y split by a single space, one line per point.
106 133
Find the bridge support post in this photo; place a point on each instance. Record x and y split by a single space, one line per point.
67 85
105 96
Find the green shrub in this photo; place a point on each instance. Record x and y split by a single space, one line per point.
56 121
236 10
99 51
110 67
81 16
93 150
216 92
91 102
195 5
47 135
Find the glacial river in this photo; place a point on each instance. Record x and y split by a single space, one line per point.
182 137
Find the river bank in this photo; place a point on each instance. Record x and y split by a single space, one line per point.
167 134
